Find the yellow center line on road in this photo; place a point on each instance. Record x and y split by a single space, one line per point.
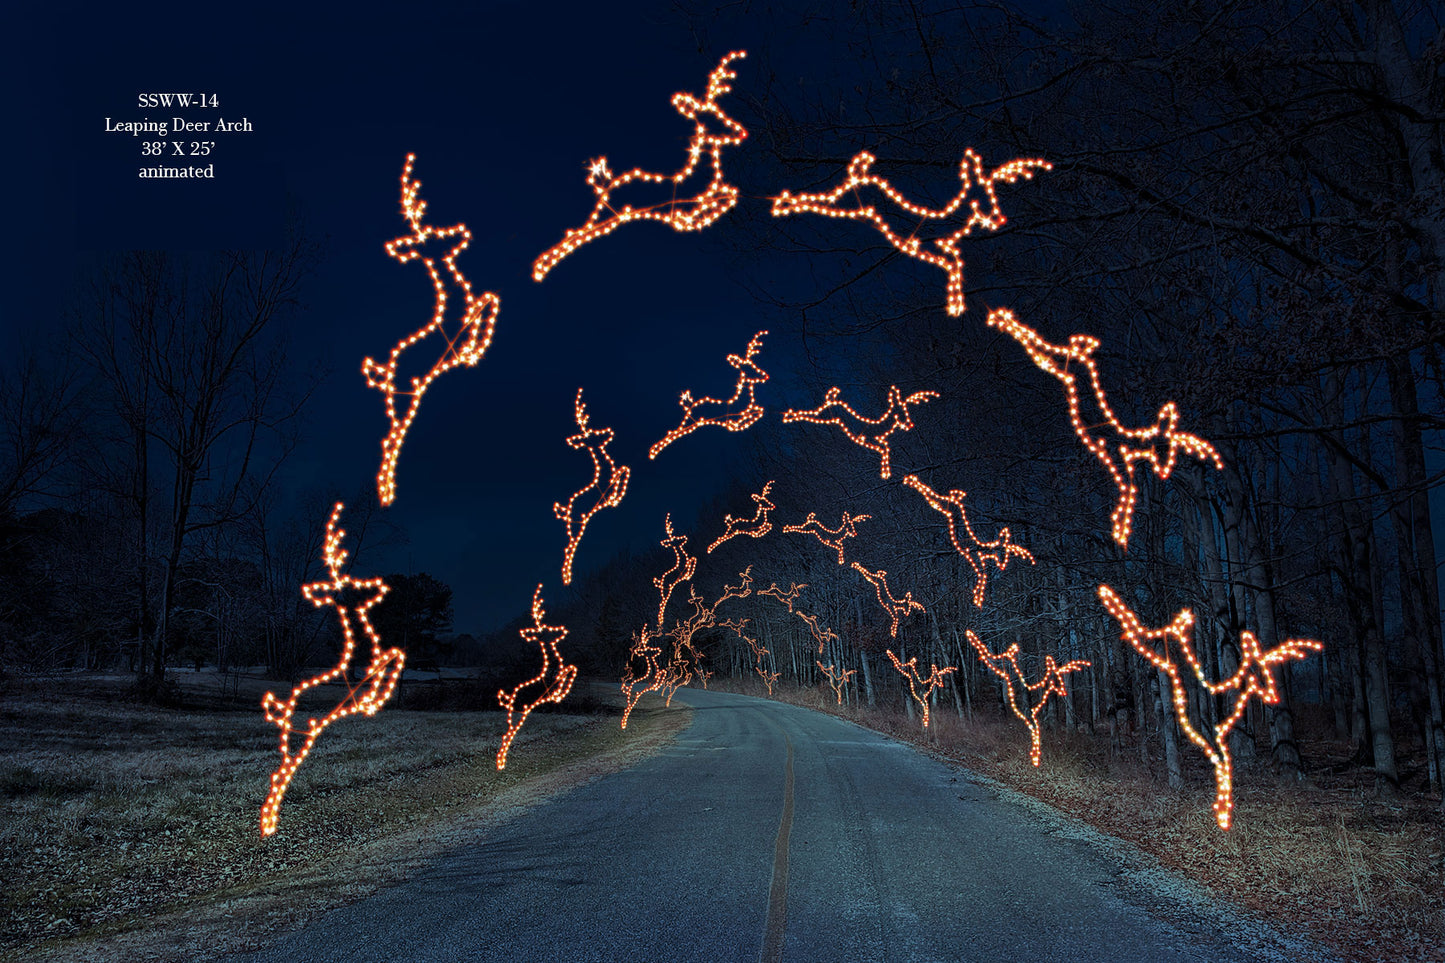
778 892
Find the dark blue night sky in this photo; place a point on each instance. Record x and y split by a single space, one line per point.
504 104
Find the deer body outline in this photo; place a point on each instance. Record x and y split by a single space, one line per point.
687 213
750 375
863 431
466 347
831 537
940 250
1252 678
909 671
1135 445
1005 665
760 523
977 552
547 688
609 493
896 608
683 566
366 697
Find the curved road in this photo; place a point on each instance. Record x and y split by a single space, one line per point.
765 832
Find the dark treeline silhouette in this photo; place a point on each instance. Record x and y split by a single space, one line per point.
1242 216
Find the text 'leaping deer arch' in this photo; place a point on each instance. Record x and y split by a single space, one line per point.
684 211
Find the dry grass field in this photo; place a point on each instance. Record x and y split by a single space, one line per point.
130 832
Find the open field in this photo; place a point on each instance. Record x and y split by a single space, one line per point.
130 832
1362 875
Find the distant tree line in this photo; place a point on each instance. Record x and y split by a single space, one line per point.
1244 208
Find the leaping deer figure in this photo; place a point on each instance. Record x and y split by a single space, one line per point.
683 211
940 250
609 493
896 608
548 685
1252 678
366 697
1134 445
837 678
831 537
909 671
635 686
788 598
864 431
977 551
1005 665
755 527
821 633
683 567
731 418
465 347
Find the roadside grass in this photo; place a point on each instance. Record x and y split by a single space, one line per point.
1360 874
131 832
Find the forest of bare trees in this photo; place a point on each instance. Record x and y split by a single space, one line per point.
1244 210
1242 213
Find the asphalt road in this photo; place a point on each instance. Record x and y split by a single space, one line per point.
768 832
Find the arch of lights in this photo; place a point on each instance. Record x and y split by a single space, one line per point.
698 195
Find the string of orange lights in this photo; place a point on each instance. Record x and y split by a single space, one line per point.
861 430
978 551
896 608
837 678
755 527
731 418
609 493
788 598
944 251
1005 665
681 211
683 567
366 696
1251 678
466 347
909 671
1057 360
831 537
635 686
821 634
549 686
